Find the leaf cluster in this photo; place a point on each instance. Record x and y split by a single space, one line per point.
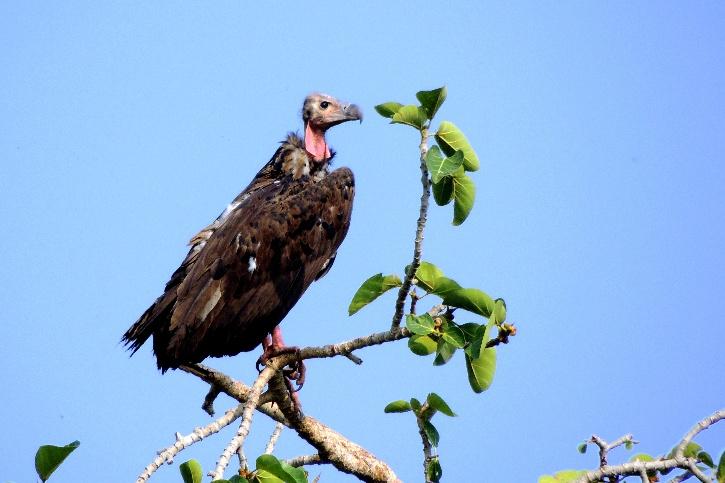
424 412
449 160
269 470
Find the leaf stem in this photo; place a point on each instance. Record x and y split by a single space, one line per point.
418 246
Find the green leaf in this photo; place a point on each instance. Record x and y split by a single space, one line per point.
451 139
641 457
454 335
481 370
464 194
705 457
431 432
426 276
441 167
412 116
49 457
422 345
582 448
720 473
477 342
628 445
470 299
444 352
430 278
499 310
398 407
388 109
434 470
437 403
237 479
692 449
415 404
270 468
191 471
421 325
432 100
443 191
371 289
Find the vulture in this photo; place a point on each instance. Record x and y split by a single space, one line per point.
247 269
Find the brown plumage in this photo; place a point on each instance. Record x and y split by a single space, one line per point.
246 270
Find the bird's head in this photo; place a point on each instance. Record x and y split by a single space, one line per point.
320 112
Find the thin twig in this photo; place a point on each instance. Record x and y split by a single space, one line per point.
310 459
420 227
427 447
182 442
246 423
273 438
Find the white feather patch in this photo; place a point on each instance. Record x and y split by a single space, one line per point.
211 303
252 264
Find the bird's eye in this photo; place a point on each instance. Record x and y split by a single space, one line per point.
324 104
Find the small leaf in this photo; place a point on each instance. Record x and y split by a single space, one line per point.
705 457
415 404
443 191
464 194
432 100
628 444
451 139
454 335
434 470
641 457
49 457
398 407
470 299
437 403
478 342
430 278
481 370
720 473
469 330
411 115
444 352
426 275
441 167
431 432
237 479
422 345
582 448
191 471
499 310
692 449
371 289
388 109
421 325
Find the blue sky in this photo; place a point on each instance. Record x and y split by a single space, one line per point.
127 126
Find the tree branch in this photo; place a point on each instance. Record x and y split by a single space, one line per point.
418 246
310 459
678 460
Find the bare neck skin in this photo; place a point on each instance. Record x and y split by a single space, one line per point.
315 143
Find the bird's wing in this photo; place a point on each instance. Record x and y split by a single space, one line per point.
255 266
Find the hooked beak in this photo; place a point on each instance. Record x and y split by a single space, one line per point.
344 113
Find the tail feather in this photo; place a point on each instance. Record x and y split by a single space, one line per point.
150 321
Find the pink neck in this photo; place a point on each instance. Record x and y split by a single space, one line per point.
315 144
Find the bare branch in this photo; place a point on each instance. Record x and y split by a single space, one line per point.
273 438
247 414
678 460
182 442
420 227
310 459
427 448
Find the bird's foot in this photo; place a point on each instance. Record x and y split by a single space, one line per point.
295 371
